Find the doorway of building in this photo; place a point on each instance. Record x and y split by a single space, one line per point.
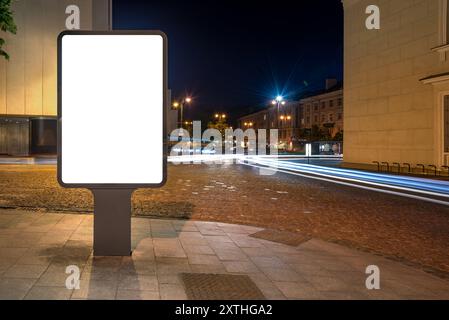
43 136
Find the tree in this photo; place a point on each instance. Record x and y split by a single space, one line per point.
339 136
7 24
220 124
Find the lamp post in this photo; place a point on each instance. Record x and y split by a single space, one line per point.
219 116
181 105
279 101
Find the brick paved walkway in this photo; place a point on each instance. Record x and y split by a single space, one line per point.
400 228
36 248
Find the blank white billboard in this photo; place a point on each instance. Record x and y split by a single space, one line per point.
111 109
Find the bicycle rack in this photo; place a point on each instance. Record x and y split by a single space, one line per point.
409 166
423 167
398 165
388 165
435 169
378 165
447 168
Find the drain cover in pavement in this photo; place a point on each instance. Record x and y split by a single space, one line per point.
201 286
284 237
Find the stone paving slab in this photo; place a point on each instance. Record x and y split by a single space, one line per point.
36 248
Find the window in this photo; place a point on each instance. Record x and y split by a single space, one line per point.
446 23
331 117
316 118
340 102
308 120
315 107
340 116
331 103
323 105
446 124
323 118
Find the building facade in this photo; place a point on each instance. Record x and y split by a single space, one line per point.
296 119
397 82
286 121
28 81
324 111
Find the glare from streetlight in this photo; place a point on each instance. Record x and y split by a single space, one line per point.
176 104
188 100
279 99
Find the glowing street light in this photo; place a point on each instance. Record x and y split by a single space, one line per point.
278 101
220 116
180 106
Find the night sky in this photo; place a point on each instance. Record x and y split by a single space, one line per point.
235 56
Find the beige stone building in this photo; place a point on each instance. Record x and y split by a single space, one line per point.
28 81
397 82
286 121
324 110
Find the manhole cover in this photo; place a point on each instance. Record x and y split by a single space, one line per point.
201 286
284 237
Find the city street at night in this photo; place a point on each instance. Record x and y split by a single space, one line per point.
225 159
410 231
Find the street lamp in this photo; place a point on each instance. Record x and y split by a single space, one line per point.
180 105
279 101
220 116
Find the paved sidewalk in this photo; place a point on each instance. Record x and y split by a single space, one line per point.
36 248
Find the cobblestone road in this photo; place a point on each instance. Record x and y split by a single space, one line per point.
411 231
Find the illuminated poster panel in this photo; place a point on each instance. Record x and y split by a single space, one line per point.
111 104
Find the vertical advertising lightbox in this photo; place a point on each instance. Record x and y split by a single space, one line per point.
111 109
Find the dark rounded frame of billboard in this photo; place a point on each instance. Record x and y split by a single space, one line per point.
164 112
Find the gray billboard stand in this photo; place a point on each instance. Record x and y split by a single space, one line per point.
112 222
112 202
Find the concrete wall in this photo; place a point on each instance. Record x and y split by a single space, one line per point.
390 115
28 81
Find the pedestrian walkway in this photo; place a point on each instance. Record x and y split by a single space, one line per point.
36 248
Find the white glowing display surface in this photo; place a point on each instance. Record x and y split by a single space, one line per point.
111 109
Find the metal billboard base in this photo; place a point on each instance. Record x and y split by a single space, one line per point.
112 222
